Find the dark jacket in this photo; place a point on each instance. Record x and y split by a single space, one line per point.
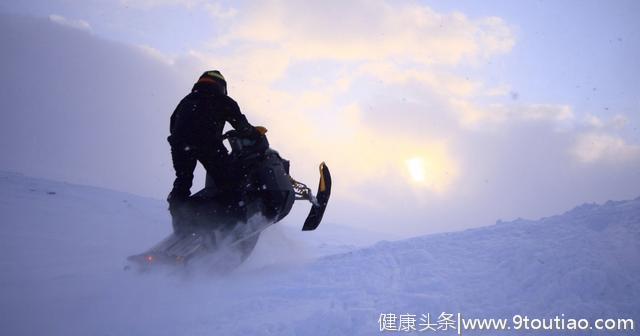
199 119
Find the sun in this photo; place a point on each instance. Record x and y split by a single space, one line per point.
431 169
417 169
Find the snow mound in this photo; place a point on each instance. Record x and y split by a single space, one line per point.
62 249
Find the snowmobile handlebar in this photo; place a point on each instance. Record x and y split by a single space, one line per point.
230 134
258 132
243 144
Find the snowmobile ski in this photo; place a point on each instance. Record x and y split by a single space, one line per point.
183 248
321 200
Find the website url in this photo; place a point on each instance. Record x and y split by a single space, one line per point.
524 322
457 323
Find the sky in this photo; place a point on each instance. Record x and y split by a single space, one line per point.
433 116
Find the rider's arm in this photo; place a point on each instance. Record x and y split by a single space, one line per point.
238 120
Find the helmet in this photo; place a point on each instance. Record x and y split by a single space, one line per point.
214 76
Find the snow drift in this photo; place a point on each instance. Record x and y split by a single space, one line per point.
62 248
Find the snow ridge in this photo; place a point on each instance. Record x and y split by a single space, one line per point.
62 248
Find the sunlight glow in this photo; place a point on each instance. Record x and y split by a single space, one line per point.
417 169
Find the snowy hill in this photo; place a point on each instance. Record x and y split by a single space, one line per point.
62 249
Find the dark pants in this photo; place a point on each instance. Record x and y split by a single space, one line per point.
214 160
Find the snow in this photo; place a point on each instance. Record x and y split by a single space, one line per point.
63 246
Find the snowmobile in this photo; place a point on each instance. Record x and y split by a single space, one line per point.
228 223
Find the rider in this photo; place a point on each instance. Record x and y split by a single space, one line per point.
196 134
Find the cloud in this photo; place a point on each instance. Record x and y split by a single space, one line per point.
99 114
397 45
370 31
380 92
216 10
617 122
477 115
77 24
593 147
147 4
213 8
156 54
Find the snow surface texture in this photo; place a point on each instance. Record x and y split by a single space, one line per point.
62 251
